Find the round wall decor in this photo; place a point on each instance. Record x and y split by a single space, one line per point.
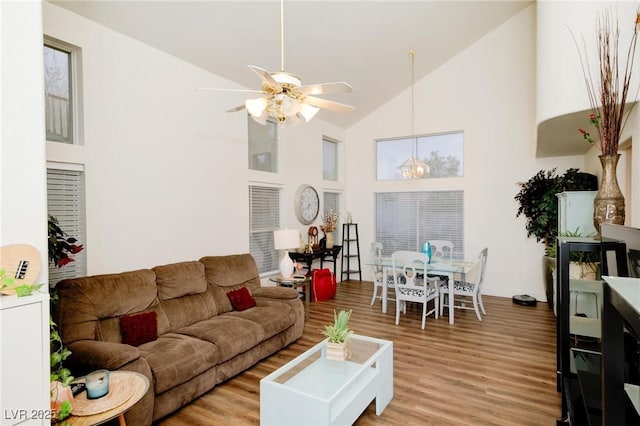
306 204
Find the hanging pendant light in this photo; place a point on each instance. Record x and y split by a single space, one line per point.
413 168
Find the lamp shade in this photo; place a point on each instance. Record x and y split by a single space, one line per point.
285 239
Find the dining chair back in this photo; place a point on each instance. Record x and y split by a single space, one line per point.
469 287
378 273
412 283
441 248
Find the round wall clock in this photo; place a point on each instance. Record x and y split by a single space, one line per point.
306 204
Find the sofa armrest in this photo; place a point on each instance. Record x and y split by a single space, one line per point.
96 354
282 293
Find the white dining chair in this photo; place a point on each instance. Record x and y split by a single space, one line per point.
470 288
441 248
378 273
412 284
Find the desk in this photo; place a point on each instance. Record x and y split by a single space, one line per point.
438 266
320 254
305 283
110 406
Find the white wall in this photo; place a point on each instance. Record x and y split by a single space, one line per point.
165 166
22 158
489 92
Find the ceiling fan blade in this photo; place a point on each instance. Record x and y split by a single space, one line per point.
266 77
325 88
230 90
238 108
324 103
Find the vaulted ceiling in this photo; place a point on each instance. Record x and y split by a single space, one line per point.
364 43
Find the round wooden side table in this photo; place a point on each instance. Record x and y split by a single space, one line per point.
126 388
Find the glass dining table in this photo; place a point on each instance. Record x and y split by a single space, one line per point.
437 266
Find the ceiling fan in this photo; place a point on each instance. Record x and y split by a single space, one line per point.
284 97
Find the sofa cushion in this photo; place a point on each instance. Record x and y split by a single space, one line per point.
89 308
224 273
231 335
138 329
241 299
175 359
180 279
272 316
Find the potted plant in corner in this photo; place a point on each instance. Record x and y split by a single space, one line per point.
538 202
338 336
61 249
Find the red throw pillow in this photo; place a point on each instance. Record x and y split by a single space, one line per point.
241 299
139 329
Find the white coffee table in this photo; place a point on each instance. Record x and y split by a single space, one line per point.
310 390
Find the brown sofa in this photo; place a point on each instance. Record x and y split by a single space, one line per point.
201 341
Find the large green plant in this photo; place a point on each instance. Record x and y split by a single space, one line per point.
539 204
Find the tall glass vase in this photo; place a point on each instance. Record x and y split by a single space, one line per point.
608 206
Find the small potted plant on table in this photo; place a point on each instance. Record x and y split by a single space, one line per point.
338 335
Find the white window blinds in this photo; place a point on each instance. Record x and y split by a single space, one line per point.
264 218
65 202
331 201
405 220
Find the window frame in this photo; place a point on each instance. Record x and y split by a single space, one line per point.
273 153
76 127
272 213
404 147
336 160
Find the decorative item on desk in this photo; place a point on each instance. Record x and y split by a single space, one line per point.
338 335
97 383
608 100
329 223
313 238
286 239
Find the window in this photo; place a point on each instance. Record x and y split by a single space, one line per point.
405 220
329 159
331 201
65 202
61 78
264 218
263 146
443 153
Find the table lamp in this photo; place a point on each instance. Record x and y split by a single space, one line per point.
285 239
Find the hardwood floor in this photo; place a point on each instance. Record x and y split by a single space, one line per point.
500 371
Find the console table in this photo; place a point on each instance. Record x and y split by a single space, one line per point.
321 254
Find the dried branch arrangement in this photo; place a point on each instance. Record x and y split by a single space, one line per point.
608 97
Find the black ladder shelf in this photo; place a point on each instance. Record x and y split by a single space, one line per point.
350 254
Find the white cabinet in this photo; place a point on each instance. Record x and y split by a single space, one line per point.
575 211
24 360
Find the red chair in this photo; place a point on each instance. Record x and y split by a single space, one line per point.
323 283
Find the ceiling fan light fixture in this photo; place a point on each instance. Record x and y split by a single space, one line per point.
307 111
290 106
256 106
